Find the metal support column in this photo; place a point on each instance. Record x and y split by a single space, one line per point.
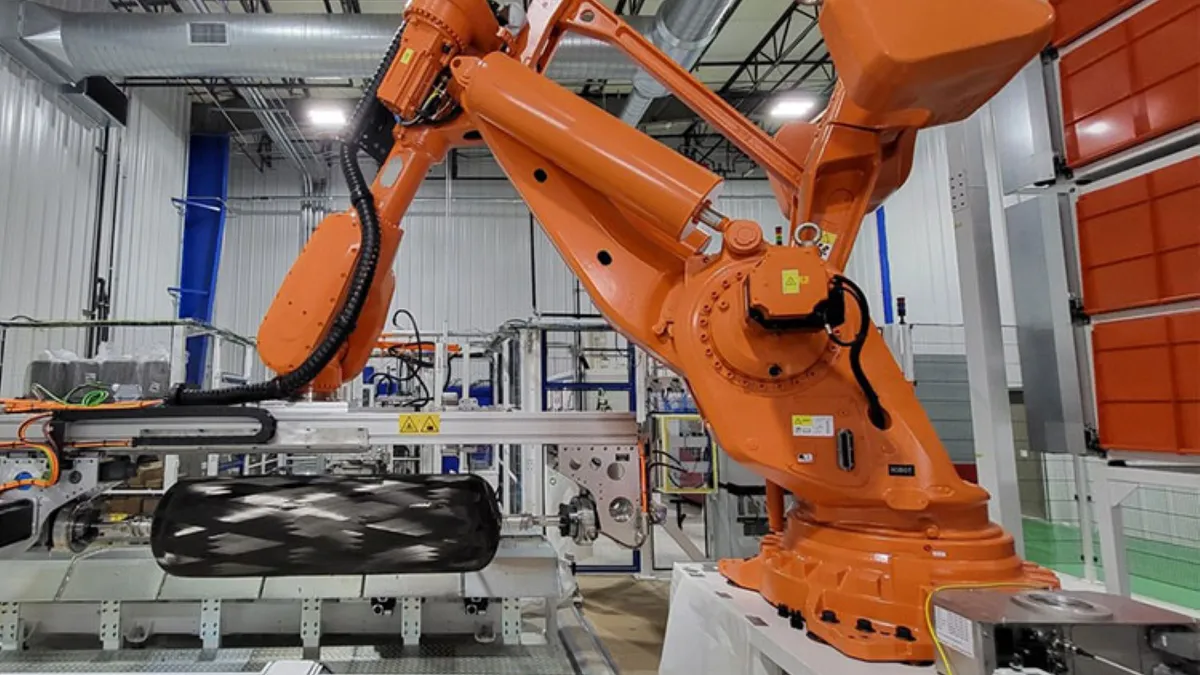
1111 522
532 462
1083 496
991 416
203 232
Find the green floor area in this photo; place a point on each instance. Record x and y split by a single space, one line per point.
1158 570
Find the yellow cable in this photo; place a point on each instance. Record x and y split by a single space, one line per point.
929 609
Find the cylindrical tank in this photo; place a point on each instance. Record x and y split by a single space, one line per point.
321 525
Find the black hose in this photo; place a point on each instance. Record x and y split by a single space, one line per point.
875 411
413 363
288 384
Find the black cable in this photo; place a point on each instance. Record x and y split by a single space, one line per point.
674 481
875 411
669 456
411 319
450 369
288 384
413 363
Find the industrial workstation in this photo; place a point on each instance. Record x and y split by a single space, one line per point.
690 337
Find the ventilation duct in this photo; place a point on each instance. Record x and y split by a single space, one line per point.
682 30
119 45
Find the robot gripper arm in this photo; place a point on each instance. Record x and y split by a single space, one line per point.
331 306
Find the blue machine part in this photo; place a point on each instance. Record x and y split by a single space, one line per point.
450 464
481 392
480 459
24 475
384 386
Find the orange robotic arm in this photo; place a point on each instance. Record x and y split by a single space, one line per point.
775 344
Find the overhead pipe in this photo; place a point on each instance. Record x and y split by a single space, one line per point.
683 29
122 45
265 114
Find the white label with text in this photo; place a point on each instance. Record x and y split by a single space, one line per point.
820 426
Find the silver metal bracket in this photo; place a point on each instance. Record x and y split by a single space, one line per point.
410 621
210 623
310 626
110 625
10 626
612 475
510 621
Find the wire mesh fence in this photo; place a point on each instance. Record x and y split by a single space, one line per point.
1161 527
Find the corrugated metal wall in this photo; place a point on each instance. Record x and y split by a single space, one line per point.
49 189
924 264
148 229
261 241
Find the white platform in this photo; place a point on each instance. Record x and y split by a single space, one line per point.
717 629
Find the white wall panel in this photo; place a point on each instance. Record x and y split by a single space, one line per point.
153 149
49 190
262 239
921 237
469 271
49 176
924 263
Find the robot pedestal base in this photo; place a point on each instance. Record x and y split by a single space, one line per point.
864 592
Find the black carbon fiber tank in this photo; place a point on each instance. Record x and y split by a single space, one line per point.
319 525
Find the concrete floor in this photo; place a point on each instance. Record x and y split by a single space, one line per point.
630 616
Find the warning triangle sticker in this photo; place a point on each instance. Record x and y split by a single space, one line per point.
431 425
791 282
408 425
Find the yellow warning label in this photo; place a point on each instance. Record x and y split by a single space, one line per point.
792 281
421 424
825 245
406 56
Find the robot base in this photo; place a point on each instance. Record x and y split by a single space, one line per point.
870 605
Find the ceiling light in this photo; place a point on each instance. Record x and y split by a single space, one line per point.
327 117
793 108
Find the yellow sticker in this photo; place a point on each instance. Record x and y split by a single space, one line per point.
420 424
406 56
825 246
792 281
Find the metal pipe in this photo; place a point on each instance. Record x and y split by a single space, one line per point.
683 29
120 45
